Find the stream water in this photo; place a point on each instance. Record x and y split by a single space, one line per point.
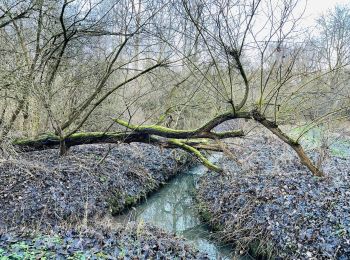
172 208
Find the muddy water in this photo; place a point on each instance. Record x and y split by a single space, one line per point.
172 208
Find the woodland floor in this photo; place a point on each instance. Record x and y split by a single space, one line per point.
61 207
52 206
135 241
269 202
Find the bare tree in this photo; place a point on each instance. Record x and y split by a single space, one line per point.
62 31
171 63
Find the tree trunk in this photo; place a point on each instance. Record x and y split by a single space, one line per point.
63 148
304 159
189 140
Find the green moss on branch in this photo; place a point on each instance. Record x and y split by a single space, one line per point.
178 134
52 141
196 153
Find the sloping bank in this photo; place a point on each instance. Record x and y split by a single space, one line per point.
50 194
135 241
267 203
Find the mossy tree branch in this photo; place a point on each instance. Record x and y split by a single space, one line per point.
196 153
49 141
202 132
189 140
273 127
206 131
177 136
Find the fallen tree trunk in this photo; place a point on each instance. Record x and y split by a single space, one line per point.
202 132
206 131
51 141
189 140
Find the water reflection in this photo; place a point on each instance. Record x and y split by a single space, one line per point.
172 209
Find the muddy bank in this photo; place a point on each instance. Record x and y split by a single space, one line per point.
42 189
269 203
135 241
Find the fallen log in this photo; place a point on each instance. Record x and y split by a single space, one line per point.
189 140
51 141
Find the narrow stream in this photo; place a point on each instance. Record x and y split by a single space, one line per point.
172 208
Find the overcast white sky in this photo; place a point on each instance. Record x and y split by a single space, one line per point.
316 7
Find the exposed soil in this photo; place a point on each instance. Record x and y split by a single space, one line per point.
40 188
268 202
